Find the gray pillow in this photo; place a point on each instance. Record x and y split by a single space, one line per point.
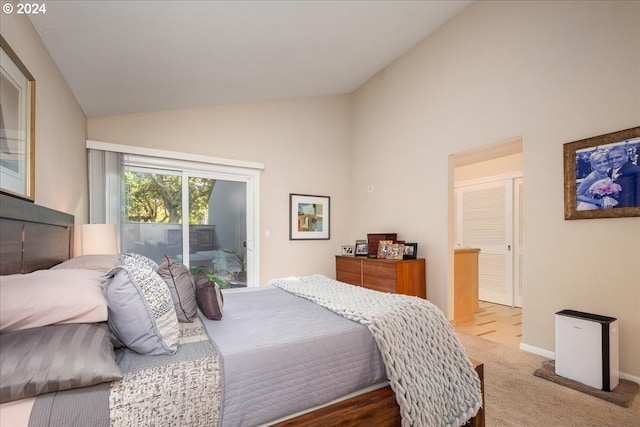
55 358
183 290
141 312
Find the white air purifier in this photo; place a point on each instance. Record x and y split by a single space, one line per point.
587 348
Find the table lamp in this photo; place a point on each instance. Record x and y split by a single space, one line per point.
95 239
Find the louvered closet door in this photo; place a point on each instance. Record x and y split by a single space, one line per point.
485 221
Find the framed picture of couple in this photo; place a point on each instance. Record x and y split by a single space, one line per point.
602 176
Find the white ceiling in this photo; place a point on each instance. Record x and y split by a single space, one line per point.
133 56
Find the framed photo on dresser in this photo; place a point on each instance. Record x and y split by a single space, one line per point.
383 248
410 251
362 248
348 250
395 251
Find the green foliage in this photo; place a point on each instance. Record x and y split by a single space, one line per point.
221 283
157 198
199 192
240 256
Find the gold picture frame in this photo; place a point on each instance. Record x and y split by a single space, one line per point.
17 125
395 251
602 176
383 248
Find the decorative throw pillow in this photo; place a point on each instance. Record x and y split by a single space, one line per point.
55 358
102 263
141 312
183 290
209 297
131 256
47 297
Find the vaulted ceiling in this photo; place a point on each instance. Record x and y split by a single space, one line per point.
134 56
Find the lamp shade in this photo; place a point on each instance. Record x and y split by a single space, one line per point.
95 239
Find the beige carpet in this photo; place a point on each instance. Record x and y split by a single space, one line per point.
514 397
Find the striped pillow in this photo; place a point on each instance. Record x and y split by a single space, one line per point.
55 358
183 290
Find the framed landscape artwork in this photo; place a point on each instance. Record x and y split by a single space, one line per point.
602 176
17 125
308 217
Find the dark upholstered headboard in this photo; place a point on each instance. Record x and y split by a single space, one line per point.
32 237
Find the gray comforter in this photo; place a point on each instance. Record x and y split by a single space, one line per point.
433 379
272 354
283 354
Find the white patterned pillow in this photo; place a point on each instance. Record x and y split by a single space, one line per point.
141 311
131 257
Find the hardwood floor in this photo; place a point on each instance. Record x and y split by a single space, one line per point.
495 322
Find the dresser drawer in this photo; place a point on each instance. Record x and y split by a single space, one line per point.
379 283
380 269
349 277
348 264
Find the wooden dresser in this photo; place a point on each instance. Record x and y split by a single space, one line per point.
400 276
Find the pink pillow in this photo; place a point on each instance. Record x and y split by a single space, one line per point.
48 297
101 263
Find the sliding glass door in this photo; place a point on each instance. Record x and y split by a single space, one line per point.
203 211
200 219
218 238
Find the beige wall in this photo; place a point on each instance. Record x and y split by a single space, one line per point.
61 163
493 167
550 72
303 143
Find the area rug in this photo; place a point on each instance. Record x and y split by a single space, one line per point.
622 395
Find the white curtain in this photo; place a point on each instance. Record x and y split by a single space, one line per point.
105 186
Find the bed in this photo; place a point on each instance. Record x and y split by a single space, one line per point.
35 238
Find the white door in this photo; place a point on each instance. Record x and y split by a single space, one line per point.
486 219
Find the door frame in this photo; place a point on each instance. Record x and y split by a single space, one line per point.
477 154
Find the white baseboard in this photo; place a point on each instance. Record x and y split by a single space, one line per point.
537 350
630 377
551 355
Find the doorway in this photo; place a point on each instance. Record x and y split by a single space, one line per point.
498 226
488 216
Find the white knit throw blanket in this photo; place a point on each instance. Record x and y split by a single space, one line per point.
434 381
